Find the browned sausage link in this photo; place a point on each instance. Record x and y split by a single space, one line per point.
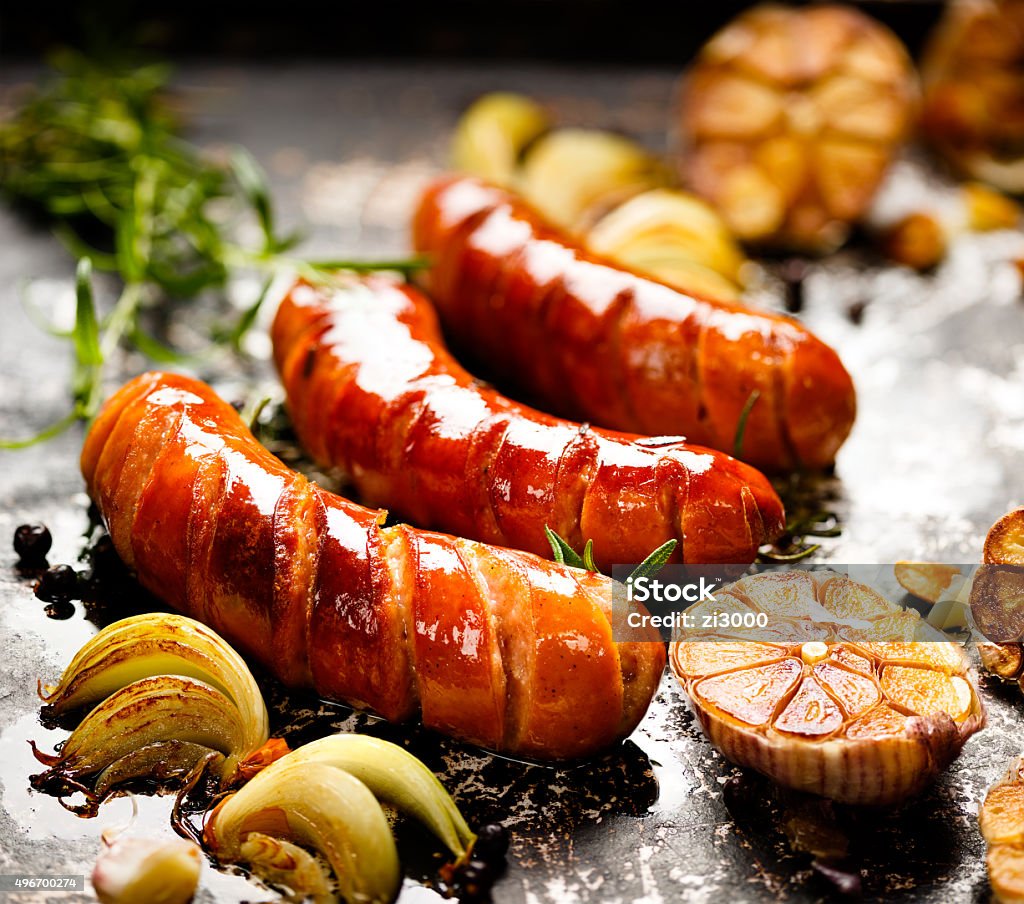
599 343
373 391
492 646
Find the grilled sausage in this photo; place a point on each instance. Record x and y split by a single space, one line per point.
373 391
495 647
593 341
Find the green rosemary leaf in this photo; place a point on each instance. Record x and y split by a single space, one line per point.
47 433
87 372
36 314
86 335
253 182
564 554
588 556
156 350
773 558
128 263
251 413
247 318
405 266
655 561
99 150
741 424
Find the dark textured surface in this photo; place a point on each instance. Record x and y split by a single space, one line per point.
934 458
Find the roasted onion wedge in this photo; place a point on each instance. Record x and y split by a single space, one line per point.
159 643
675 237
318 806
575 176
867 715
395 777
152 711
283 804
280 862
493 133
161 762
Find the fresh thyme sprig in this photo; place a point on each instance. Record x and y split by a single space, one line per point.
98 151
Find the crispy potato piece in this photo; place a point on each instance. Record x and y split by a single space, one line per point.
1004 544
918 240
997 602
925 580
1001 820
1002 659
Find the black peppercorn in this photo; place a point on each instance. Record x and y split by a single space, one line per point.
58 584
32 542
491 843
59 611
104 558
475 881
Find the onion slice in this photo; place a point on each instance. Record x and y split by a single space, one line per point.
152 711
319 806
395 777
159 643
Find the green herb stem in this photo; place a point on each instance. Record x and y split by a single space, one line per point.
99 151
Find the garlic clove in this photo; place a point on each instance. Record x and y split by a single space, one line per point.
147 871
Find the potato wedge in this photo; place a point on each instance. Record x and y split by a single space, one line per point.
1001 821
1004 544
926 580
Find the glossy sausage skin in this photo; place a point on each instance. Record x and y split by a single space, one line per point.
495 647
593 341
373 391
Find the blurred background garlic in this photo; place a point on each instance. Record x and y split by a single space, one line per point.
973 79
790 118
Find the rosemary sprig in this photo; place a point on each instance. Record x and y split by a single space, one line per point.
655 561
98 150
806 517
564 554
741 424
